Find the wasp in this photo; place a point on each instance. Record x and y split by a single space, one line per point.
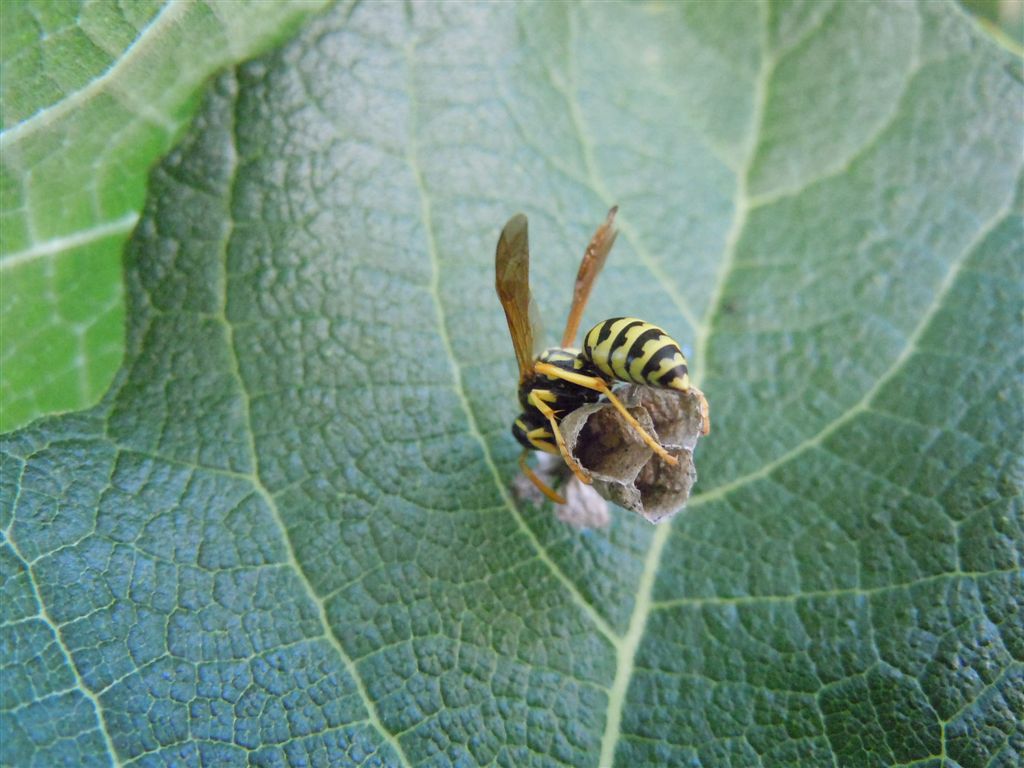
558 380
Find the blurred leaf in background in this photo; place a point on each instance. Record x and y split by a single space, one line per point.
284 537
92 93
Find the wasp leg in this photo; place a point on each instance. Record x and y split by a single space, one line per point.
549 414
541 485
705 416
593 382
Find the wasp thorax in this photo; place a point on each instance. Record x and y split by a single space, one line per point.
561 394
622 466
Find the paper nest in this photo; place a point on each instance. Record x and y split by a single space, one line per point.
624 470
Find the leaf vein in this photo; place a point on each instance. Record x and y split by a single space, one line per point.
911 346
643 605
597 185
165 18
426 217
44 614
869 142
65 243
754 600
257 481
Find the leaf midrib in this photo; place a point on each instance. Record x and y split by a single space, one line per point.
626 657
426 220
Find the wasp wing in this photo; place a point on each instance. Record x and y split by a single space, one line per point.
590 267
512 281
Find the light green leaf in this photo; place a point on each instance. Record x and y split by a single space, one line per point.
93 92
285 536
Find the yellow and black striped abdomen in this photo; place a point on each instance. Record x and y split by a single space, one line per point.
629 349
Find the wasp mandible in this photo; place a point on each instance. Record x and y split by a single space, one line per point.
558 380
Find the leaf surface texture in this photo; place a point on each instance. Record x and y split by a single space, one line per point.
285 536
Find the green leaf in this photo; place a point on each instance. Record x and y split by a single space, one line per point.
285 536
1003 19
93 92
